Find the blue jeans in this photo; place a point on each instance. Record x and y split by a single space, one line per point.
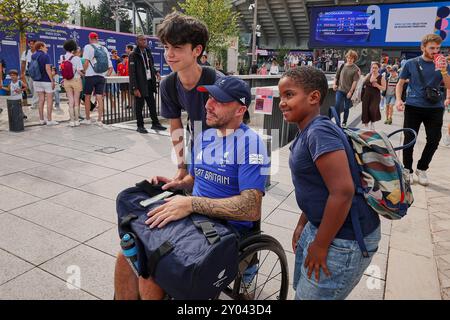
57 99
344 261
341 99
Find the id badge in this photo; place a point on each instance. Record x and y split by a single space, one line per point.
149 74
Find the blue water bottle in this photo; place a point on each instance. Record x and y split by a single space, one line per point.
129 250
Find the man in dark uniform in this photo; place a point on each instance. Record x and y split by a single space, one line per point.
143 76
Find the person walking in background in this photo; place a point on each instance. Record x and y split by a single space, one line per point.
374 83
423 102
72 80
97 56
143 75
57 91
447 106
45 86
25 60
122 70
274 70
390 93
345 84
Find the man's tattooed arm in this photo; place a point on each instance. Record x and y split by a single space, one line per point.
244 207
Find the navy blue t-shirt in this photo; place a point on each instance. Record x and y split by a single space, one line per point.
192 102
43 59
225 166
322 136
416 90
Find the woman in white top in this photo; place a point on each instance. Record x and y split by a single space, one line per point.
274 67
74 85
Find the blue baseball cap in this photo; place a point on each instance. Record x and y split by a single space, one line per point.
229 89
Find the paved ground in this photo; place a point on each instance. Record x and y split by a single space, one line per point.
57 215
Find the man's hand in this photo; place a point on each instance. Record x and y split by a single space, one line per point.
335 87
297 233
137 93
400 105
175 208
181 173
316 259
168 183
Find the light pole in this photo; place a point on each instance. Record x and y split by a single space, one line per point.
254 6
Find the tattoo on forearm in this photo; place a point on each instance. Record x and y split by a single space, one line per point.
245 207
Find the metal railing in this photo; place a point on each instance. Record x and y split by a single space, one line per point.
122 110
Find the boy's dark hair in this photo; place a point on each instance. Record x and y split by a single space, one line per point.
70 45
179 29
130 46
309 79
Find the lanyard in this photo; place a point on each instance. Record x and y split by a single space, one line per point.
145 57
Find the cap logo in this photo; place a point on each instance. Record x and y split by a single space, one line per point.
242 100
221 82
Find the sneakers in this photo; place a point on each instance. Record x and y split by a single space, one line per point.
141 130
99 123
52 123
86 121
42 122
72 124
77 123
372 126
33 106
423 179
158 126
411 178
447 140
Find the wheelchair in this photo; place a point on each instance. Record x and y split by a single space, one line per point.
263 272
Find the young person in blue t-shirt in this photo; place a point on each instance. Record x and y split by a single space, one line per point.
328 260
423 72
227 178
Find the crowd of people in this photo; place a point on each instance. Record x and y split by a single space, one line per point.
81 72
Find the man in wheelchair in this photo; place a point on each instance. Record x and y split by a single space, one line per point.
227 175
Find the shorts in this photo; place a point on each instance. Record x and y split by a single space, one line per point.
94 84
390 100
124 86
40 86
74 84
344 261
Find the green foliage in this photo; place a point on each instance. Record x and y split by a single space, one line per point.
26 15
281 53
101 17
220 19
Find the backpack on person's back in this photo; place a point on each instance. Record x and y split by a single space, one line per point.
34 70
67 69
101 59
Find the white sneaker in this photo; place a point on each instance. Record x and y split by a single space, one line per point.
447 140
99 123
52 123
372 126
42 122
72 123
86 121
33 106
423 179
77 123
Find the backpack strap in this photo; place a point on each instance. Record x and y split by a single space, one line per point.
156 255
419 71
208 230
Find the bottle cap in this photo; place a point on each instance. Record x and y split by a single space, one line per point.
126 237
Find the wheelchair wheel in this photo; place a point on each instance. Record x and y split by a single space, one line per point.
263 271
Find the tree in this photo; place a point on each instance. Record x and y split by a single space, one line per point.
219 17
24 16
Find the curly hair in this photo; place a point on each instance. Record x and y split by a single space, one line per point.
309 79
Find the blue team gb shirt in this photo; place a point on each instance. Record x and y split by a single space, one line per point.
225 166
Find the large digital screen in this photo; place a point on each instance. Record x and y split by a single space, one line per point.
394 25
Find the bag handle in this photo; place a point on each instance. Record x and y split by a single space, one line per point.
335 115
408 145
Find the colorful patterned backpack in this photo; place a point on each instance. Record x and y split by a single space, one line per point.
384 181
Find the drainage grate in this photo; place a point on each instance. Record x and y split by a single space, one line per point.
109 150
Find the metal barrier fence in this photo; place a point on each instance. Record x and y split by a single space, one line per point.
120 107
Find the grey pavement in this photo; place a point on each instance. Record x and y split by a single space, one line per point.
57 214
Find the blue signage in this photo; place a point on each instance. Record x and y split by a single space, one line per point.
55 35
387 25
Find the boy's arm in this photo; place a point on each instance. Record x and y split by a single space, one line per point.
335 171
177 134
